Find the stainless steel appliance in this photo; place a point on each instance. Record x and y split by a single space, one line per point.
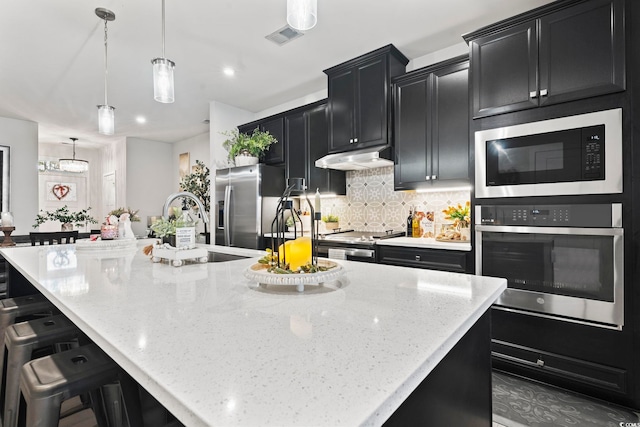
353 245
561 261
246 200
579 154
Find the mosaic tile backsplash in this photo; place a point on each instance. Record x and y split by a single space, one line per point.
371 204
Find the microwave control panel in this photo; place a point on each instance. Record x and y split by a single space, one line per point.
593 152
596 215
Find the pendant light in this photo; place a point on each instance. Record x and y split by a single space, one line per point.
106 116
73 165
163 74
302 14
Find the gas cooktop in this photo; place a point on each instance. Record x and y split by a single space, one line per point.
351 236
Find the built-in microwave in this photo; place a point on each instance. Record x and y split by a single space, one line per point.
579 154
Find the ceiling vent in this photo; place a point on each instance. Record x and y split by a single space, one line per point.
284 35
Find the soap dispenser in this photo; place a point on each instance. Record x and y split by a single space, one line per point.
185 229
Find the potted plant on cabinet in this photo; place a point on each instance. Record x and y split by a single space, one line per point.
199 184
246 149
331 222
67 218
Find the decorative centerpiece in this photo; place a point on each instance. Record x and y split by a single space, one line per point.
67 218
246 149
294 262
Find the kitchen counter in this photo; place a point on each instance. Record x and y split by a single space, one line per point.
421 242
215 350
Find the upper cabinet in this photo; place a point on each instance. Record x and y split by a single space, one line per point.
307 135
359 107
431 133
553 54
275 126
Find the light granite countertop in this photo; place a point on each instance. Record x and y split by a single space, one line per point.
215 350
422 242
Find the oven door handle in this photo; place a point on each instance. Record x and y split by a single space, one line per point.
550 230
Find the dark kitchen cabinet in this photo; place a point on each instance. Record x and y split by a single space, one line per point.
434 259
562 52
275 155
306 134
359 107
431 133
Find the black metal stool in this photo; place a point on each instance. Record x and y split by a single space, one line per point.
46 382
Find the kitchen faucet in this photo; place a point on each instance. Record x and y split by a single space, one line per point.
189 195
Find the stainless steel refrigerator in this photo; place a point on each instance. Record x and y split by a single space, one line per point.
246 202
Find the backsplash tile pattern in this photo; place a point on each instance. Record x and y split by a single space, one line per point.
371 204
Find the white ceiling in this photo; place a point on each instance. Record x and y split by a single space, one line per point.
52 68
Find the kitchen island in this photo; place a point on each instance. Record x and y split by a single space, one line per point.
216 349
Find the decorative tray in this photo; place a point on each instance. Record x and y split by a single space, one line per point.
258 273
88 245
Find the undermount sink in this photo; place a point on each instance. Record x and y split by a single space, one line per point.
220 257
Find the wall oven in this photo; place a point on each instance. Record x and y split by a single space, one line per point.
578 154
561 261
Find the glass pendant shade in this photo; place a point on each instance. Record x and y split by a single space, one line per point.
106 120
302 14
163 80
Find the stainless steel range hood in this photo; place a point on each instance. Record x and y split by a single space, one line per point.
366 158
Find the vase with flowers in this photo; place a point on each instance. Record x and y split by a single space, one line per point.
66 218
461 217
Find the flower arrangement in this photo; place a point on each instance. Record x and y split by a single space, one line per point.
65 216
460 215
240 143
133 215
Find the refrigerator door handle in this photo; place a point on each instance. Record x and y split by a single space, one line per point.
227 216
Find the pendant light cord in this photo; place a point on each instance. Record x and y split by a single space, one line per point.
105 64
163 29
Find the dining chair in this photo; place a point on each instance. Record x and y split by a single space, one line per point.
53 237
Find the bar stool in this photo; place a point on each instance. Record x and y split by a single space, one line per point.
46 382
22 341
20 309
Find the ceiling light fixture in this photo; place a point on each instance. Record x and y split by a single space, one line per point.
302 14
228 71
106 116
73 165
163 74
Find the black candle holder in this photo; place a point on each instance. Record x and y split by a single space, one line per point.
278 224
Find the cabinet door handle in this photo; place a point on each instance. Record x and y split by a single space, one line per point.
355 139
418 258
533 94
434 176
351 141
540 362
427 178
543 92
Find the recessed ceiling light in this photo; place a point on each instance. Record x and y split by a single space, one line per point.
229 72
141 119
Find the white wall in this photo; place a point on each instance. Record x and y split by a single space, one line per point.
22 138
437 56
148 182
223 118
198 149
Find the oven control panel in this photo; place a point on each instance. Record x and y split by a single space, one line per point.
595 215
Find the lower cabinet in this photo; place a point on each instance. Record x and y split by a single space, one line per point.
434 259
